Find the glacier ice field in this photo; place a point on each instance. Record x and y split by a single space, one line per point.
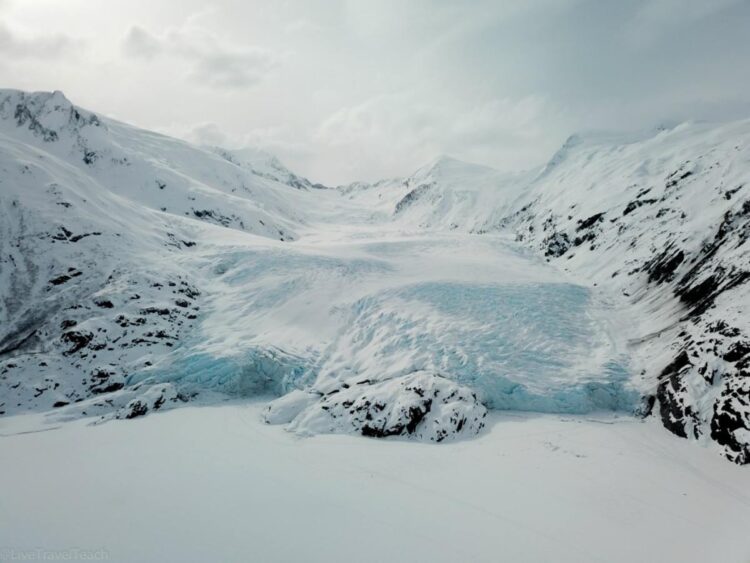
317 317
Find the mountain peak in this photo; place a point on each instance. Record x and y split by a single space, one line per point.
265 165
449 165
45 114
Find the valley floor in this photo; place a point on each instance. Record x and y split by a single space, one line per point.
216 484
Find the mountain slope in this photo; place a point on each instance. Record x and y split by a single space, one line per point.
661 219
664 220
444 195
94 217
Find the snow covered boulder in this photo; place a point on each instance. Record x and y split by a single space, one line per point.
420 405
285 409
152 398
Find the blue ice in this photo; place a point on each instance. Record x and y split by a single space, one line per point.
531 347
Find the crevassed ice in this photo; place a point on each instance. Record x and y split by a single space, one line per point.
520 346
257 371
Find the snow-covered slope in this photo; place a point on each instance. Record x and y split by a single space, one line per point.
265 165
444 195
661 219
138 272
94 217
154 171
665 220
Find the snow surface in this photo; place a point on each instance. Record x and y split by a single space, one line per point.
215 484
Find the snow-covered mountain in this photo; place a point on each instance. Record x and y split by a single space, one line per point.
663 220
95 216
446 194
265 165
138 271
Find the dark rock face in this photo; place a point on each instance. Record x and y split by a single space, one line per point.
136 408
379 415
78 340
556 244
738 351
589 222
662 268
729 421
89 322
675 414
633 205
412 197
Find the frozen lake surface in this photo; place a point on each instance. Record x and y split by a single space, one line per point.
215 484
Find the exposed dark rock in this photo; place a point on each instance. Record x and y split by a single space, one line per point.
590 222
59 280
677 176
136 408
556 244
109 387
662 267
633 205
163 311
727 424
77 339
670 393
411 197
738 351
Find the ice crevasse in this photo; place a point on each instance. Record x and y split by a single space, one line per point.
425 358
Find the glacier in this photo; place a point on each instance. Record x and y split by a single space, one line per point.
360 307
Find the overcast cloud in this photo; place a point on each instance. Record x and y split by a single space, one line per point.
344 89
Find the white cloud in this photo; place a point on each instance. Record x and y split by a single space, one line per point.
391 135
205 134
302 27
18 44
654 17
211 61
674 12
290 147
318 82
140 43
238 69
395 132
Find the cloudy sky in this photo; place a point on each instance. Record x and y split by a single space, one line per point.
346 89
